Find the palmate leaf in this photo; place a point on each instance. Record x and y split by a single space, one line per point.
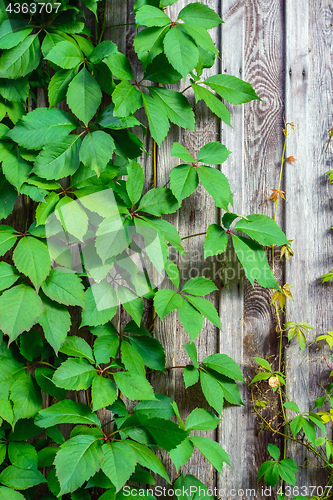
231 88
119 66
200 15
119 462
100 304
26 397
65 54
216 240
175 106
31 257
214 104
64 287
181 51
16 169
8 275
15 477
20 307
127 99
150 16
22 59
217 185
41 126
191 319
97 150
12 32
150 350
149 43
77 460
59 158
66 412
75 374
201 37
77 346
157 118
58 85
134 386
158 201
84 96
148 459
212 451
17 91
56 322
103 392
263 229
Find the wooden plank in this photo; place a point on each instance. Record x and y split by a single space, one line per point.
251 39
308 216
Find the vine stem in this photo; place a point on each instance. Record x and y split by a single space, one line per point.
192 235
279 185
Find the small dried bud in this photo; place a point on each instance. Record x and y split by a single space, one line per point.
273 382
291 159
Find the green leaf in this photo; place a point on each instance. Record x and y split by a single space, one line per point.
135 181
100 305
216 240
119 66
132 360
231 88
191 319
106 345
182 453
8 197
212 451
151 351
165 228
97 150
103 392
286 469
192 352
201 37
173 272
56 322
263 229
77 346
41 126
46 456
214 104
149 43
15 169
131 302
200 15
17 91
217 185
107 119
263 362
261 376
31 344
166 301
14 477
58 85
22 59
66 412
274 451
213 391
181 152
201 420
199 286
161 71
65 54
206 308
254 262
230 388
181 51
7 238
184 181
12 32
175 106
158 121
43 376
76 461
64 286
26 397
134 386
127 99
22 455
148 459
8 275
32 258
158 201
119 462
84 96
74 374
15 111
20 307
222 363
46 208
160 408
102 50
187 482
151 16
213 152
59 158
73 217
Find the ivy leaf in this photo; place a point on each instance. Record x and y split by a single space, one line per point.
181 51
172 272
77 460
212 451
160 408
175 106
26 397
102 50
16 169
77 346
20 307
8 275
161 71
150 350
103 392
56 322
84 96
58 86
213 391
216 240
64 287
158 201
135 181
192 352
254 262
222 363
22 59
15 477
191 319
66 412
119 66
65 54
17 91
201 419
181 152
201 37
214 104
41 126
134 386
151 16
8 197
274 451
32 258
231 88
200 15
148 459
217 185
149 43
59 158
100 304
213 152
119 462
286 469
132 360
106 345
158 121
97 150
206 308
74 374
263 229
166 301
199 286
12 32
182 453
184 181
229 387
127 99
